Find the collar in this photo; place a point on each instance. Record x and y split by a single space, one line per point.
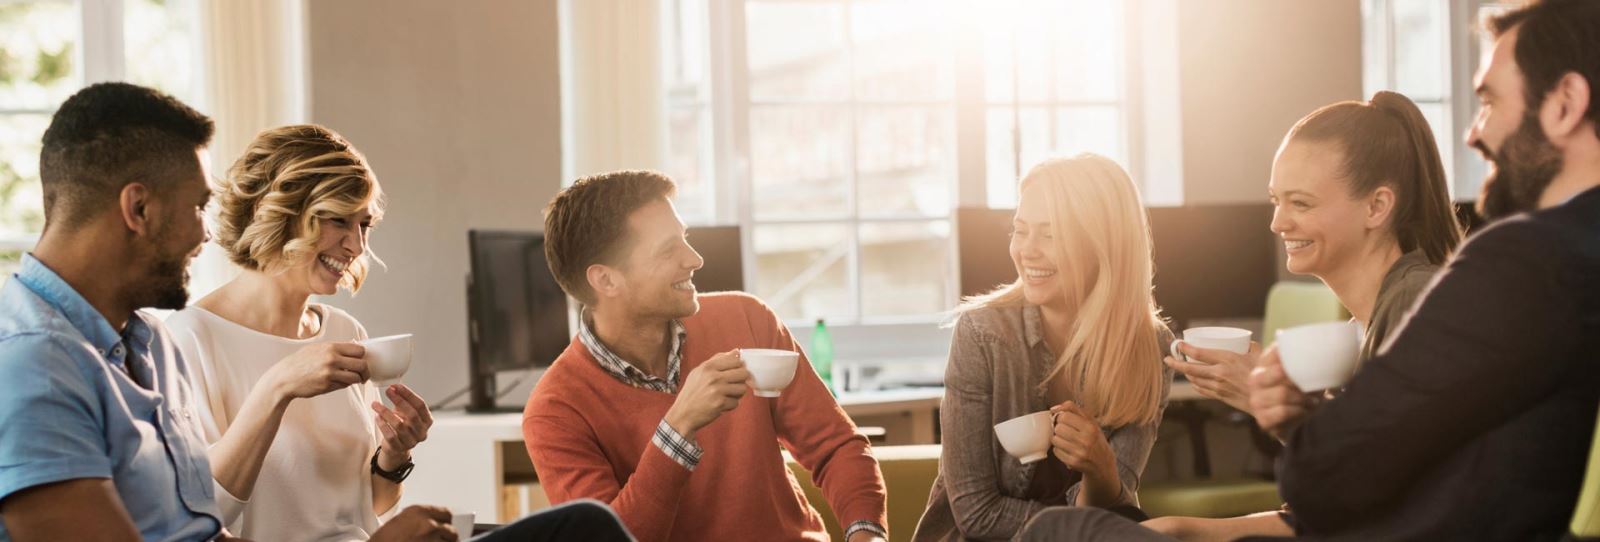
50 287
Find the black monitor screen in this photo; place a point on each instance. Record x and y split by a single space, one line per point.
518 311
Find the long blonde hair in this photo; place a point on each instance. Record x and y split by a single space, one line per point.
1112 359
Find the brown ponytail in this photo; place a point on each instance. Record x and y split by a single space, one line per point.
1387 142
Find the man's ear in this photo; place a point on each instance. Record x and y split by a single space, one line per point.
604 280
1380 207
1566 109
134 203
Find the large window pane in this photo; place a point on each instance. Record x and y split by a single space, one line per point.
800 161
802 271
797 51
685 53
1420 61
906 161
1017 48
21 202
1087 44
38 54
161 51
1093 129
905 268
689 161
902 50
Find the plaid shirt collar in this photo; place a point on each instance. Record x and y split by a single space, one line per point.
627 372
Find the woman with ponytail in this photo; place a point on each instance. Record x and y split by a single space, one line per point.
1362 204
1077 334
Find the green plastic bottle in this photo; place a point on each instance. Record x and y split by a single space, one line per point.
822 354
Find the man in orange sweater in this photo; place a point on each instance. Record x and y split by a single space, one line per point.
647 408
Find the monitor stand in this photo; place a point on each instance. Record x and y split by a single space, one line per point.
481 399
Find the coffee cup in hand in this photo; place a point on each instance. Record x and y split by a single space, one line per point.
1320 356
1231 339
388 358
1026 437
770 370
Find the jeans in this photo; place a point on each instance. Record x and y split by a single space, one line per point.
584 519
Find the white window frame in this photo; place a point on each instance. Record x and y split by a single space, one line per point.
731 176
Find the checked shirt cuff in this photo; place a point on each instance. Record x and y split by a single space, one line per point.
680 449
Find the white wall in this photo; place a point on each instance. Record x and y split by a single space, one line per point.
1250 69
456 105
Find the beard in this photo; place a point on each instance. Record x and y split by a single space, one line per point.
1524 166
166 286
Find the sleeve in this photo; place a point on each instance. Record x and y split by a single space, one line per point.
820 436
210 404
967 460
567 456
51 422
1131 444
1501 321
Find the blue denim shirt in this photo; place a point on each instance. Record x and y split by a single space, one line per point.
69 408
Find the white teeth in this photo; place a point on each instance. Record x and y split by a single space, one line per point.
1294 245
336 265
685 285
1038 273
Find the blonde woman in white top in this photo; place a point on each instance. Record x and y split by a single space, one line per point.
301 448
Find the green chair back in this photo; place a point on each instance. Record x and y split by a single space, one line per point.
1293 303
1586 519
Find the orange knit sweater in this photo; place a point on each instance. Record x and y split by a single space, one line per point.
589 436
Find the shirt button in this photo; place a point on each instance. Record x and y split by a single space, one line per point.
116 350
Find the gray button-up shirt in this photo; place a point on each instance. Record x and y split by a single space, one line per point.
998 361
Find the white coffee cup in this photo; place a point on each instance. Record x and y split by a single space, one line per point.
462 521
1320 356
1026 437
770 370
1231 339
388 358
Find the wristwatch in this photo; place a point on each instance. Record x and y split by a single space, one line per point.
398 475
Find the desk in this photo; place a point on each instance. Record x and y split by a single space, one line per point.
472 462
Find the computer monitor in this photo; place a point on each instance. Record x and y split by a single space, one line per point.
1211 261
517 313
724 262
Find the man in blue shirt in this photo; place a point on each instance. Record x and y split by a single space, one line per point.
97 427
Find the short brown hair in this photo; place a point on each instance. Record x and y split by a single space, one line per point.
587 222
1387 142
273 196
1557 37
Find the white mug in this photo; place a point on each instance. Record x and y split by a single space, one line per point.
462 521
1027 437
388 358
1320 356
770 370
1231 339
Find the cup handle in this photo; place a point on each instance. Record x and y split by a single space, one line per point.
1176 354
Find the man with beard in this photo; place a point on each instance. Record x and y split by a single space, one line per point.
98 435
1475 422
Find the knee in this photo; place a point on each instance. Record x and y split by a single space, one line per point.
591 510
1173 526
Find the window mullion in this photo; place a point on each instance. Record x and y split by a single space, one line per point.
730 112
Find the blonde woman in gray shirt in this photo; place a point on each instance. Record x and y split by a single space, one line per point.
1077 333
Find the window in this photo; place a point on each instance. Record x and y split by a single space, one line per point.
51 48
832 131
1429 51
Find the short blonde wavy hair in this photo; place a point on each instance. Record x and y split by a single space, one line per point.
273 196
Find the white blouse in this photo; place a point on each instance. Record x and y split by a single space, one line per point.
316 482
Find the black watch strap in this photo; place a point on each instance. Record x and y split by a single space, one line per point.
398 475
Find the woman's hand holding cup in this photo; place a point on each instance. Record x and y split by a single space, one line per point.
1277 404
1078 442
317 369
1217 373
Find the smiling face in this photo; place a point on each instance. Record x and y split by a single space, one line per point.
1034 250
176 240
655 275
341 241
1522 159
1322 226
